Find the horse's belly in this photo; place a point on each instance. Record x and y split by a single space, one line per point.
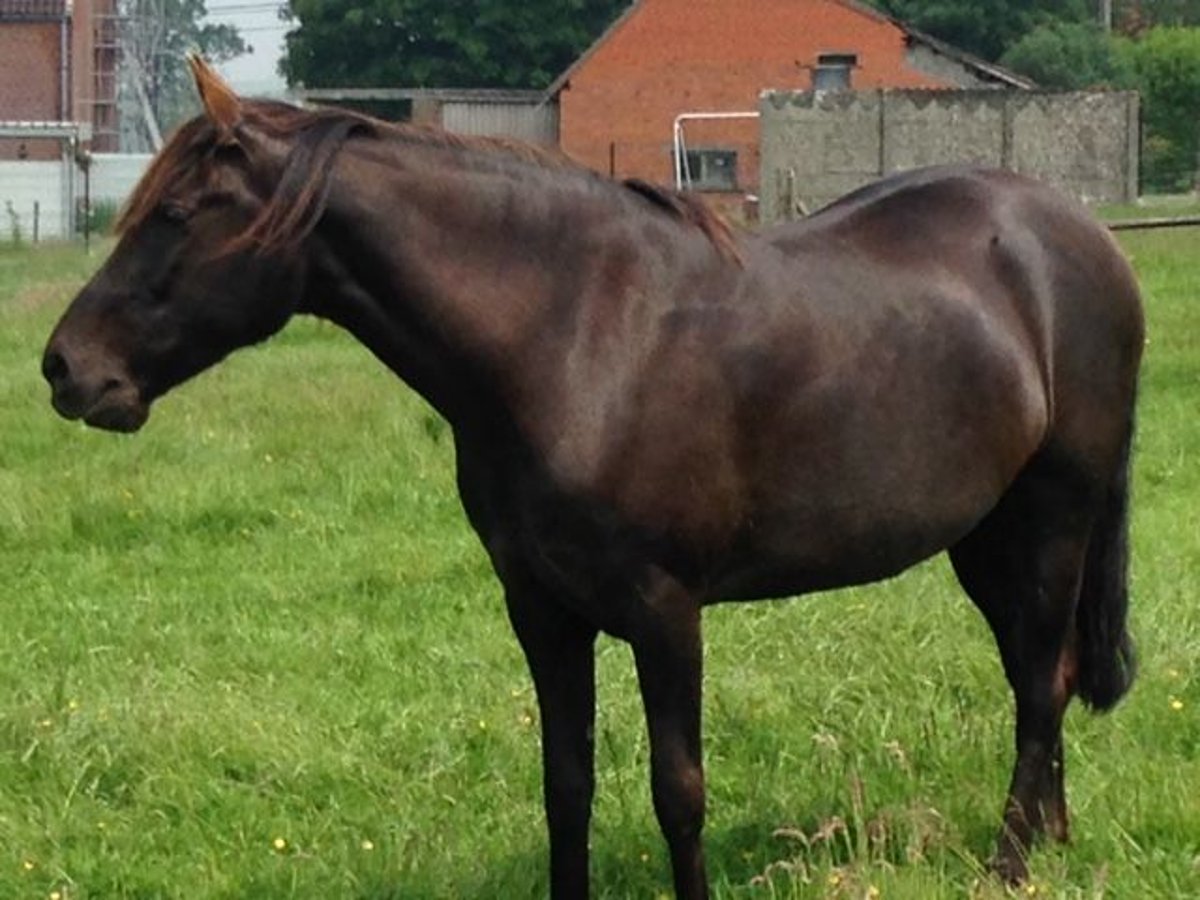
813 553
867 509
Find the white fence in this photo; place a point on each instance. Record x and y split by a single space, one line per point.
40 200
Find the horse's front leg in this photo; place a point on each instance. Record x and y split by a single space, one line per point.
561 655
667 649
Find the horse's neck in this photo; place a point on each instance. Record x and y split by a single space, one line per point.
444 272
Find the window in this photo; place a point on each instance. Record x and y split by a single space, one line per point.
710 170
832 72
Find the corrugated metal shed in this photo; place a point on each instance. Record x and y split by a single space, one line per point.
535 123
522 115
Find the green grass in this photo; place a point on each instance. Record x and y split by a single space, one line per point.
1151 207
263 618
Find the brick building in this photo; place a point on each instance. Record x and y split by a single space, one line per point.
662 58
57 64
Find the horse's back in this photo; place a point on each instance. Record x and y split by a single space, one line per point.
1035 260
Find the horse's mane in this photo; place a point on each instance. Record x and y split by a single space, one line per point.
299 198
690 208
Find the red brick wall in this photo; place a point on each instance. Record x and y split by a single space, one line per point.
675 56
30 82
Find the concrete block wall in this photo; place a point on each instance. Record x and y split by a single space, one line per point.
817 147
1084 142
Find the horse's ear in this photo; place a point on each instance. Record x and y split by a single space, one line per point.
222 106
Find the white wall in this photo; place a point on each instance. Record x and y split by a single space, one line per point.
26 183
114 175
32 190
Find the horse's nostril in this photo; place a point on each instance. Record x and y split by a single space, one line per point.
55 367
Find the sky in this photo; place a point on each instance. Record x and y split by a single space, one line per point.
260 27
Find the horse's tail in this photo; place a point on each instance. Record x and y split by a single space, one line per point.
1107 663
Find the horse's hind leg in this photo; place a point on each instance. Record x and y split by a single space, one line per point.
1022 566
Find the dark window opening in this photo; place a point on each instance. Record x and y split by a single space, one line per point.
833 70
710 170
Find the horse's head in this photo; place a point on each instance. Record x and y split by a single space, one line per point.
202 266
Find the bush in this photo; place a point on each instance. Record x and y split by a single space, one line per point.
1071 56
98 218
1166 65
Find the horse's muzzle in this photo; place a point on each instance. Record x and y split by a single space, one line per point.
108 401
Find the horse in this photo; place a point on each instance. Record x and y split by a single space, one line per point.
652 412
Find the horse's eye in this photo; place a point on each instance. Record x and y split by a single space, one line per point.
176 212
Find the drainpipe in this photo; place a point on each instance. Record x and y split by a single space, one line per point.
65 113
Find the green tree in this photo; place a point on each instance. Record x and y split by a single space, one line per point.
985 29
432 43
1070 56
1134 16
1167 66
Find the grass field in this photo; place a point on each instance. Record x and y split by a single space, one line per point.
254 651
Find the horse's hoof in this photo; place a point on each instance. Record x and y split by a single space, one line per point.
1010 868
1058 830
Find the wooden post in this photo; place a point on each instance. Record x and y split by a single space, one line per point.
881 97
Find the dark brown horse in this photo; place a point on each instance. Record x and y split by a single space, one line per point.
652 414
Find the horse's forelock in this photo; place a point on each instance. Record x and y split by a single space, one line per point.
182 152
315 136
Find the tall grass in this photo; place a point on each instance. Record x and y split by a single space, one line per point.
254 651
